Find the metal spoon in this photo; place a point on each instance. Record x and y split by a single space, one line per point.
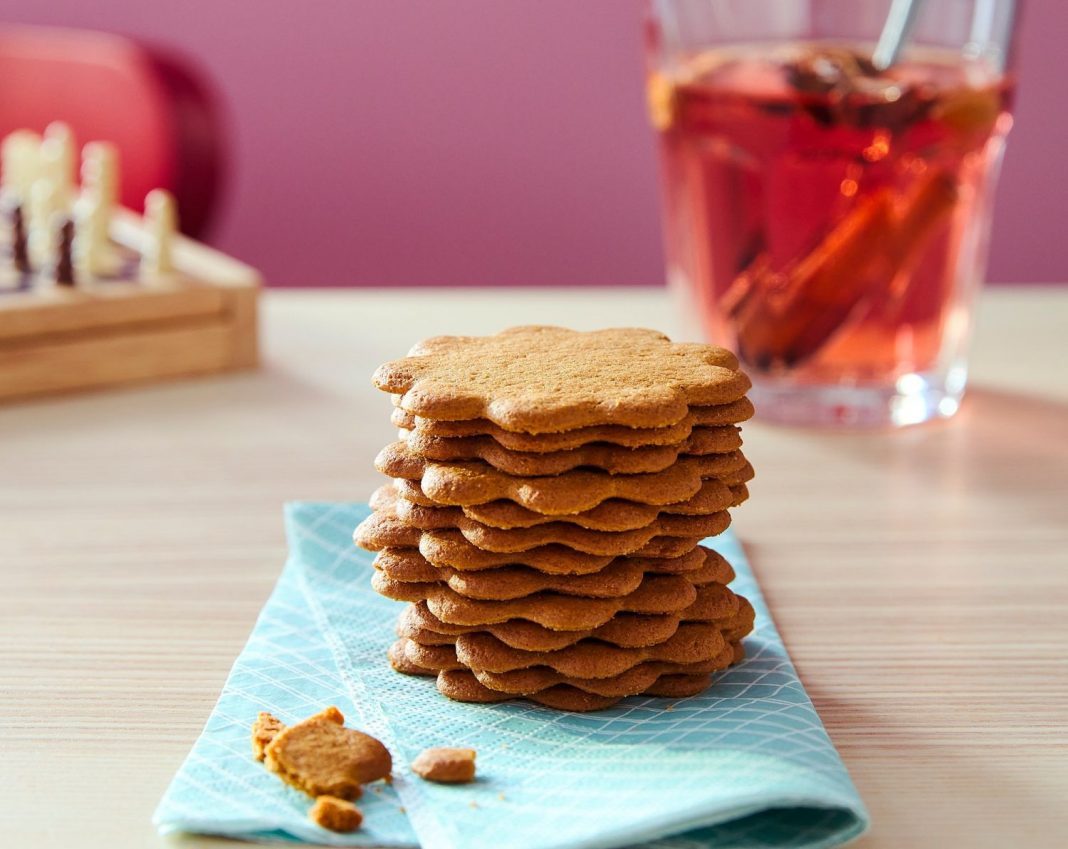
899 21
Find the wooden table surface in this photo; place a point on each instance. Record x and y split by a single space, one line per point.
920 578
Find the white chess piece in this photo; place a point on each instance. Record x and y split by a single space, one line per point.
93 255
57 162
161 223
20 163
100 171
42 209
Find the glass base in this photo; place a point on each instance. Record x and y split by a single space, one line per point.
912 399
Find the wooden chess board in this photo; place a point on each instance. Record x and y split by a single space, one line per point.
119 328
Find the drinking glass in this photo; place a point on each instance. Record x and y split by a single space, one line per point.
827 214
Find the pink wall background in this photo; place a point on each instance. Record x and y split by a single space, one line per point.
407 142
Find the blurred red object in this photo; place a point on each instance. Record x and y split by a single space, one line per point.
155 107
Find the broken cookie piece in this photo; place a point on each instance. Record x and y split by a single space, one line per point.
335 814
264 730
321 757
446 765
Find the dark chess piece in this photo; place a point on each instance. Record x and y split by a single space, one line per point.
63 270
16 224
20 253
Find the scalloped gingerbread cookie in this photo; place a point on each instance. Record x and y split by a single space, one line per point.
551 379
628 437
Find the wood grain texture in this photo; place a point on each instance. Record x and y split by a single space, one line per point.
200 320
918 577
61 310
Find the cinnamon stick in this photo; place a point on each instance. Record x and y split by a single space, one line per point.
821 290
858 259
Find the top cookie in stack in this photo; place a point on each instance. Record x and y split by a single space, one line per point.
550 491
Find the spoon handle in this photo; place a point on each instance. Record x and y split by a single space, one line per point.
899 21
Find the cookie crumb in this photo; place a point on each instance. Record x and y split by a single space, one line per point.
472 804
446 765
500 796
264 730
321 757
335 814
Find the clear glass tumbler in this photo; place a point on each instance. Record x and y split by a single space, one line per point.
827 213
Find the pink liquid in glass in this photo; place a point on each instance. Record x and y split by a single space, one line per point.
829 221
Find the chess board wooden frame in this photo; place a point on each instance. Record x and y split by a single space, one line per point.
198 321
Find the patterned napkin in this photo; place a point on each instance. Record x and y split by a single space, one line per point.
748 764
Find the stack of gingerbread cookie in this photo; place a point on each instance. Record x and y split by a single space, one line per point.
550 491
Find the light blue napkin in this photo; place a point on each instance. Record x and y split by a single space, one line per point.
746 765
